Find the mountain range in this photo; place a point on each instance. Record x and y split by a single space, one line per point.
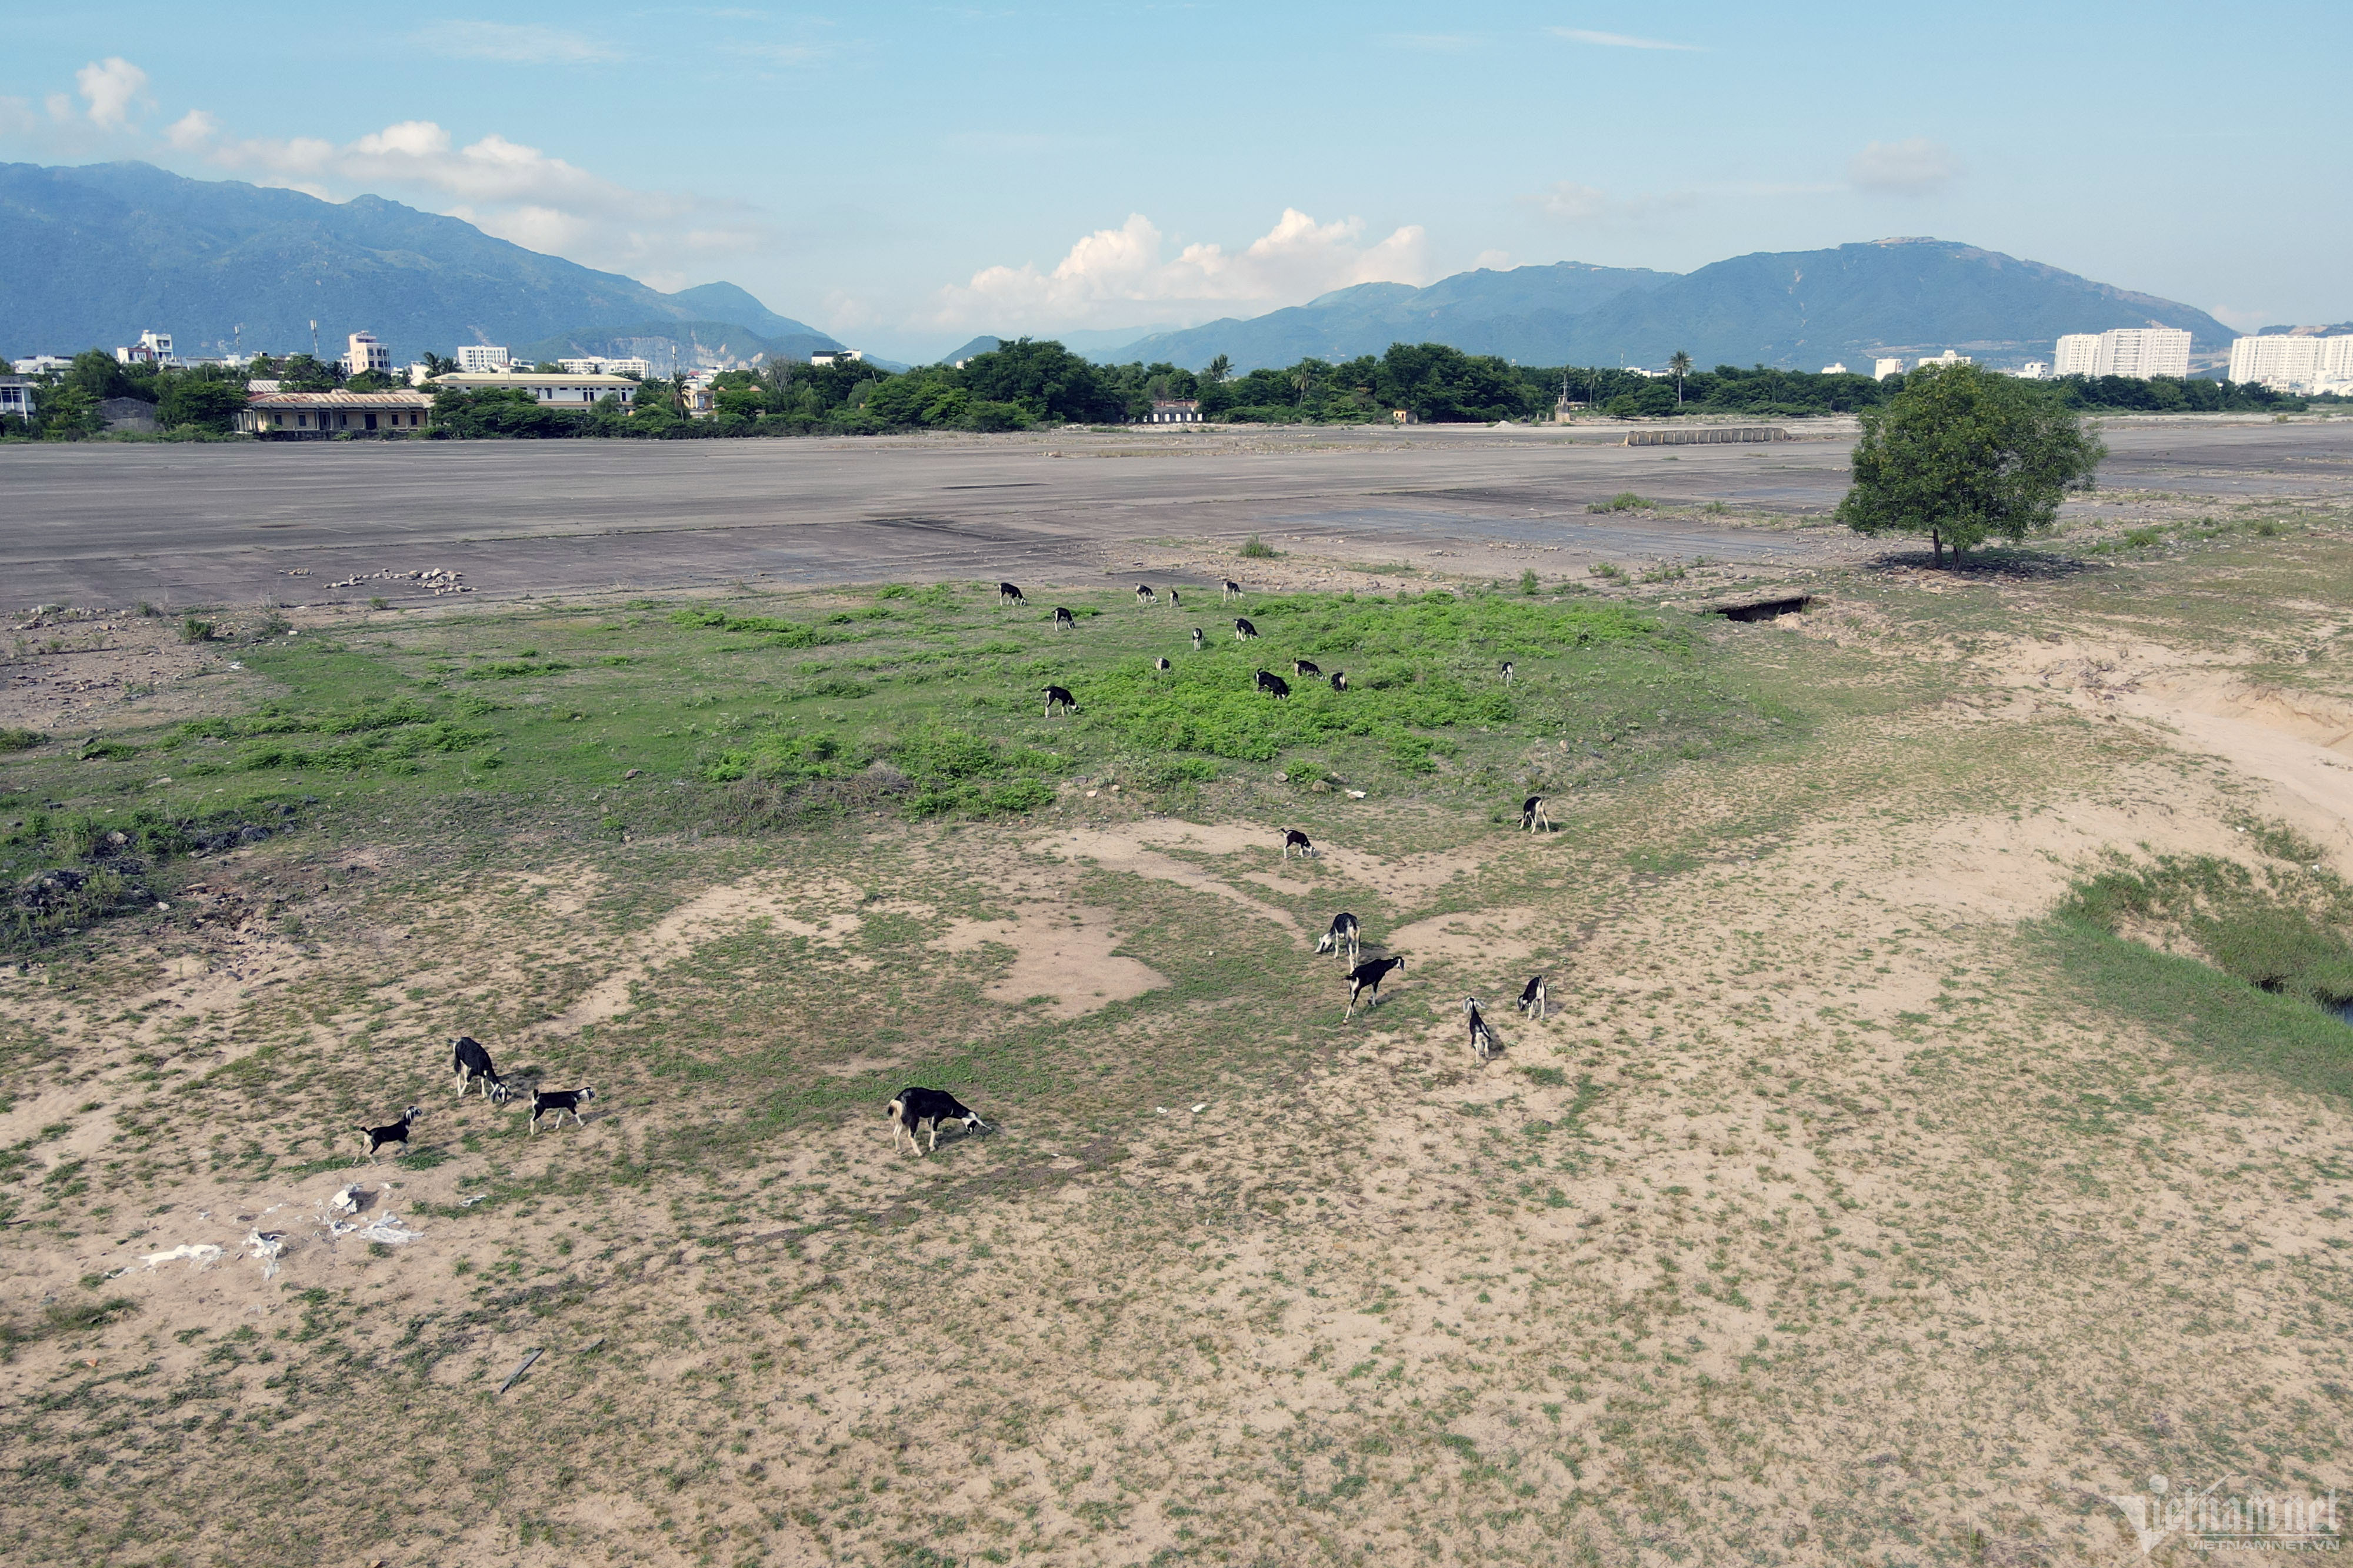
1793 310
92 254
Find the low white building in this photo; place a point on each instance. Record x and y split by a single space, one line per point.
1834 370
556 391
1947 357
828 356
1175 410
321 415
638 369
1881 369
2135 352
2034 370
2293 362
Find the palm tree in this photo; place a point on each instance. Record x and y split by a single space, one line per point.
1681 365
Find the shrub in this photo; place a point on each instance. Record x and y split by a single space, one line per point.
1257 549
15 739
1624 501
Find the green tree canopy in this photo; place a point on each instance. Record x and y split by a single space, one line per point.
1963 455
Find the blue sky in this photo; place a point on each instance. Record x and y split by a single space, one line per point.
906 175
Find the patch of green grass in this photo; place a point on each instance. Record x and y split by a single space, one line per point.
2283 932
1624 501
13 739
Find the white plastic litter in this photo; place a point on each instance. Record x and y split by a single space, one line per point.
1356 794
388 1230
347 1201
266 1246
1200 1108
200 1253
1159 1110
469 1202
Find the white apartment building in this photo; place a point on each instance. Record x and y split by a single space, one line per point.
555 391
2034 370
481 356
1834 370
1881 369
594 366
2136 351
363 353
2293 362
1947 357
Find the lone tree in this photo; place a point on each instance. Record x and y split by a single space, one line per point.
1963 457
1680 366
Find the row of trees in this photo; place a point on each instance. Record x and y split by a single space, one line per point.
204 398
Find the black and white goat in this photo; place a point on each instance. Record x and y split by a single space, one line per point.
1232 590
1482 1039
1533 1000
1341 937
1305 666
1060 696
1008 594
1367 976
1294 839
1162 666
377 1137
557 1102
937 1106
1507 672
1532 814
1144 596
1243 629
470 1060
1339 680
1173 602
1063 619
1197 639
1273 684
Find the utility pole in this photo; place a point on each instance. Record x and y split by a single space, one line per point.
315 340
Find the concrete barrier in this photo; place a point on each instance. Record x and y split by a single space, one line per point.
1707 436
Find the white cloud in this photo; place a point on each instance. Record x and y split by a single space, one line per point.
1915 167
1570 202
112 87
193 129
1618 41
1110 271
517 43
504 188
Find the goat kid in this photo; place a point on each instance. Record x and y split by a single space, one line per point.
1533 1000
470 1060
377 1137
1305 666
1007 593
1233 590
559 1101
1482 1039
1294 839
937 1106
1367 976
1060 696
1341 939
1064 620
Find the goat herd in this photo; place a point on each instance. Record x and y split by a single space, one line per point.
471 1062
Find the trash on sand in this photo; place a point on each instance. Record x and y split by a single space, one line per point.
199 1252
388 1230
471 1202
1200 1108
1356 794
347 1201
1159 1110
266 1246
518 1372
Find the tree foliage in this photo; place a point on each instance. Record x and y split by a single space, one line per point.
1963 455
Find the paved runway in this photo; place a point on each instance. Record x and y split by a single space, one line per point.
108 524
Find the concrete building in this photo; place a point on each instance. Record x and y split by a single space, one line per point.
828 356
364 354
2136 351
555 391
153 348
1881 369
1947 357
1174 411
2034 370
41 364
481 356
2293 362
1834 370
318 415
638 369
15 397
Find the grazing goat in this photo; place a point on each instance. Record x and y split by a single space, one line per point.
560 1100
1062 618
1162 665
1173 602
1482 1039
1341 939
1305 666
1060 696
1273 684
1007 593
1243 629
1339 680
937 1106
1144 596
1507 672
1533 1000
1367 976
1233 590
470 1060
377 1137
1197 639
1532 814
1294 839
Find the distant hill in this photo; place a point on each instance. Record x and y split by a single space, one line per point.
1792 309
90 255
672 346
1480 312
979 345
